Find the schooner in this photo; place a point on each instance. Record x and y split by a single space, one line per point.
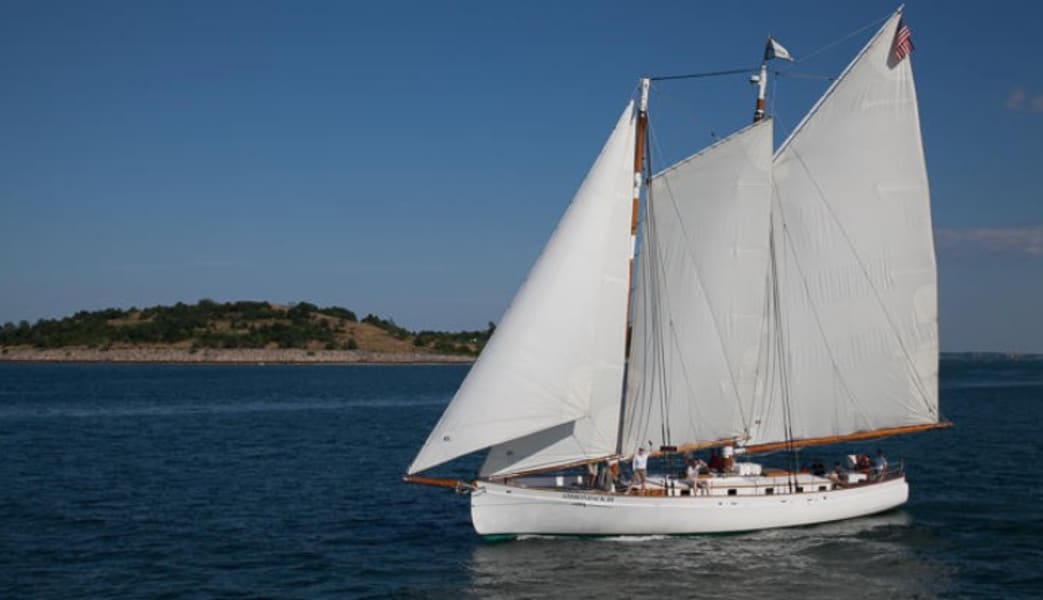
784 298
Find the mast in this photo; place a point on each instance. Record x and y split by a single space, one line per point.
762 82
762 87
639 154
772 50
639 159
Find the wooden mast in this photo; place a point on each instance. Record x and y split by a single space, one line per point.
762 83
639 156
762 87
639 159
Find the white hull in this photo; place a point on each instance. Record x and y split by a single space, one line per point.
498 509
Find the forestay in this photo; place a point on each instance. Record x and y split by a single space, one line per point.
700 297
855 332
557 356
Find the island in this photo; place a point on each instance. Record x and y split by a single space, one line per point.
233 332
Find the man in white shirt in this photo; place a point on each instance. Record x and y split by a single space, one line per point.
640 471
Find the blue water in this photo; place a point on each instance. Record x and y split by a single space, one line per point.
140 481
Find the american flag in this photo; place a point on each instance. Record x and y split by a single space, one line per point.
903 43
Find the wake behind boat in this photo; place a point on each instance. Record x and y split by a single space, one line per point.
783 299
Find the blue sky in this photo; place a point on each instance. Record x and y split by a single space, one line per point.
411 159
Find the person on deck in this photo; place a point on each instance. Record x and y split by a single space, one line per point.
592 474
880 465
716 462
601 478
640 467
613 470
837 474
695 467
863 463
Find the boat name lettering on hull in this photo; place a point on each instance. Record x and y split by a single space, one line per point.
588 498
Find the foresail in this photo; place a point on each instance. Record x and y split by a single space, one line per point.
854 335
557 354
586 438
699 304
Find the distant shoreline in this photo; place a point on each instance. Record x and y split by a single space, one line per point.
978 356
295 356
240 356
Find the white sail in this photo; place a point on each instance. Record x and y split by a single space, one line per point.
557 355
856 334
586 438
699 305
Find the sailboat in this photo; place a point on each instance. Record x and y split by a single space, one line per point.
784 298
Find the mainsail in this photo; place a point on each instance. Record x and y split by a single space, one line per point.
557 356
699 307
853 345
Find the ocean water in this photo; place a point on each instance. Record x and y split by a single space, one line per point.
151 481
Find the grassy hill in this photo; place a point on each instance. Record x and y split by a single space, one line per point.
244 324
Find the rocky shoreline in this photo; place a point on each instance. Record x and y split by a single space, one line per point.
224 356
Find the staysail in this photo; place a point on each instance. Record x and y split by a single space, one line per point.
699 302
854 337
556 359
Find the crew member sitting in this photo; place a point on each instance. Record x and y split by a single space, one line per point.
696 485
863 463
837 474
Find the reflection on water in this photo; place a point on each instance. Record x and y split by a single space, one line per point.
871 557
